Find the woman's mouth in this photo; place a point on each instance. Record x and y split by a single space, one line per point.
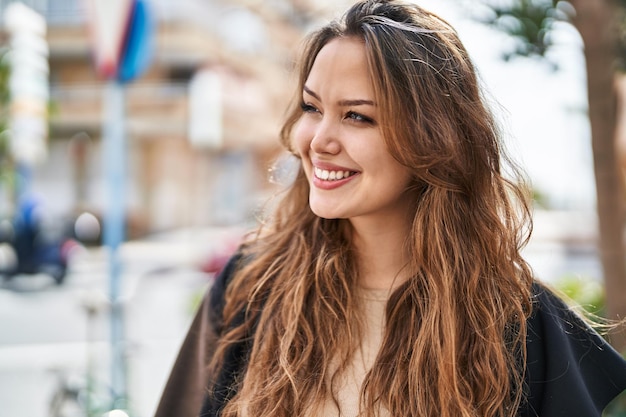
330 175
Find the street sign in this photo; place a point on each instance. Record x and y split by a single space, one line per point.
138 45
121 33
109 22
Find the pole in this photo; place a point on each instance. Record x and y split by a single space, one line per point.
114 224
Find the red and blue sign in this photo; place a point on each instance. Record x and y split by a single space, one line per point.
138 45
123 38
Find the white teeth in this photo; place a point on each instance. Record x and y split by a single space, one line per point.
330 175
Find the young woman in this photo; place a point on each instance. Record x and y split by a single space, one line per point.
389 280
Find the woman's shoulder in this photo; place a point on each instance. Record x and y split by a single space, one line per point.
552 317
569 365
217 291
551 308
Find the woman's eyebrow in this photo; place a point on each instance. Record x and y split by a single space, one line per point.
356 102
311 92
343 103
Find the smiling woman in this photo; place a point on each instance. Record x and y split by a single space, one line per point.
389 280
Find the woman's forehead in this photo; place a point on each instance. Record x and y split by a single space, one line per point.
341 63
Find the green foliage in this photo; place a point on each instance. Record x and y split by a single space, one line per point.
5 72
530 22
588 293
617 408
540 199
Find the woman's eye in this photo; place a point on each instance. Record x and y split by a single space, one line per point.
307 108
359 117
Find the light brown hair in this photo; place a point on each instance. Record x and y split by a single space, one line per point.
454 343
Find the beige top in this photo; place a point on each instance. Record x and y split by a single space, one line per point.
348 384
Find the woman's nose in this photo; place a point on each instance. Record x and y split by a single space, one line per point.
326 138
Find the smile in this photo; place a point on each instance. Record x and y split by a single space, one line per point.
326 175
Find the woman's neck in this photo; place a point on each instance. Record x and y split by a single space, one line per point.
382 254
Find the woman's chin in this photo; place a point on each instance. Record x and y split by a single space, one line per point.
325 212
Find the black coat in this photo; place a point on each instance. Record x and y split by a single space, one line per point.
570 370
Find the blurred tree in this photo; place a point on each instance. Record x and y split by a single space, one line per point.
601 26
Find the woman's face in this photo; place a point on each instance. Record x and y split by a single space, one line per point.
350 170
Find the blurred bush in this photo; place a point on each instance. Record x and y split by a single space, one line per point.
585 292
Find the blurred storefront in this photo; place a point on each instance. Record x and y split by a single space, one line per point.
202 123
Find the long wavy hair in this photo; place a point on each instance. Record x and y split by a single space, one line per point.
454 340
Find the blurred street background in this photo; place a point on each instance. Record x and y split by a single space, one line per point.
139 141
54 336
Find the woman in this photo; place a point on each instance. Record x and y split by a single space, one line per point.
389 282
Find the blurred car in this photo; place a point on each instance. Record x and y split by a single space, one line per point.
39 243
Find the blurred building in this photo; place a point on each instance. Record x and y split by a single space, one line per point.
202 123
